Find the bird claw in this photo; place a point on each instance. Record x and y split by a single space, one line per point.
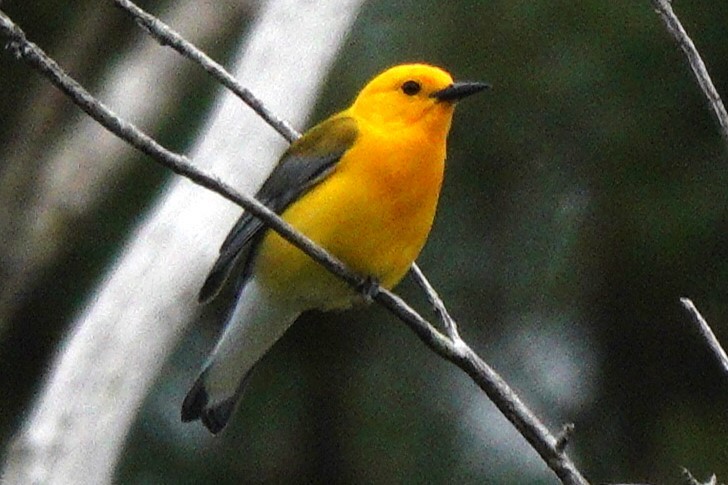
369 288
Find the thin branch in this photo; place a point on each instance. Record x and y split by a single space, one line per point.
460 354
691 480
451 327
179 164
564 436
675 28
166 36
707 333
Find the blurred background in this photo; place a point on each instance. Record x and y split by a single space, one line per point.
585 194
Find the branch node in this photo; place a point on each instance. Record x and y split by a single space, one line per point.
369 288
17 41
691 480
564 436
451 327
149 30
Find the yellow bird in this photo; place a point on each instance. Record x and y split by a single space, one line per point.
364 185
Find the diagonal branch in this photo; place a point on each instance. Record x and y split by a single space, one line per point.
706 332
451 327
166 36
535 432
675 28
179 164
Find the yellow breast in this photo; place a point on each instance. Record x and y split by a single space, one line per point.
374 213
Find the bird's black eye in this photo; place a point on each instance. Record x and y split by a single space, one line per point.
410 88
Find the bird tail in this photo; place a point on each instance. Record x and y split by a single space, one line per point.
214 416
257 322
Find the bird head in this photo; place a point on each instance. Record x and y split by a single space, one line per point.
412 95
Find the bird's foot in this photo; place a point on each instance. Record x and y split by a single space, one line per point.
369 288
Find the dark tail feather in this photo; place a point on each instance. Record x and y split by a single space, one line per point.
195 401
216 416
213 283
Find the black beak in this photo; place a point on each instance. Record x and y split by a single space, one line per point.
457 91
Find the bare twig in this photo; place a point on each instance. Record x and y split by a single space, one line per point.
707 333
451 326
461 354
675 28
166 36
179 164
562 439
691 480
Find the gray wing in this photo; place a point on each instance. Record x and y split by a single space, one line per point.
306 163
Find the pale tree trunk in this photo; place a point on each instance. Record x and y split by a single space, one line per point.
46 190
119 342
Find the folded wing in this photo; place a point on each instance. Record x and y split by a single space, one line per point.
307 162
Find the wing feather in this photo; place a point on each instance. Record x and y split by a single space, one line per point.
305 164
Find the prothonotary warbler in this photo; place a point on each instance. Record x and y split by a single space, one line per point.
364 185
